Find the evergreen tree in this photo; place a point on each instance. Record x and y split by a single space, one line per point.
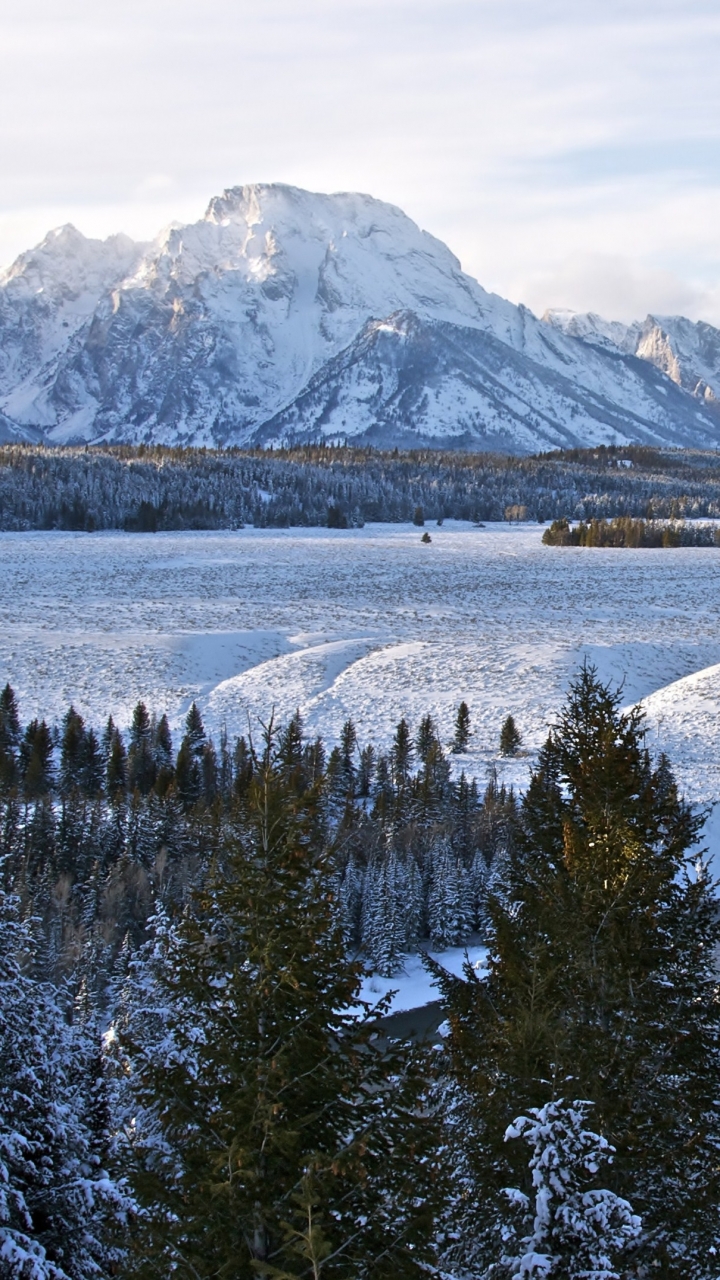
510 738
462 729
366 771
195 730
569 1226
188 776
91 766
401 754
116 780
450 898
392 910
9 739
72 752
36 760
142 769
272 1134
162 748
348 747
58 1206
602 973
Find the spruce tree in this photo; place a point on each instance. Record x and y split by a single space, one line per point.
272 1134
510 738
9 739
142 769
462 729
601 980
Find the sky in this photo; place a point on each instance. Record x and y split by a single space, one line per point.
568 151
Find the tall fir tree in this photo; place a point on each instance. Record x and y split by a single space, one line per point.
272 1133
462 729
601 979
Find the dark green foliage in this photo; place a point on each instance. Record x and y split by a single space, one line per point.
510 738
36 767
296 1145
418 517
601 982
401 754
462 729
9 739
116 779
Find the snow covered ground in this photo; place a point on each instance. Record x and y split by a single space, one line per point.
370 624
413 986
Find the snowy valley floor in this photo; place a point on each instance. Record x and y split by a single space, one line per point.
369 624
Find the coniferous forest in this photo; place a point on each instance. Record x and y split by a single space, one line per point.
150 488
192 1084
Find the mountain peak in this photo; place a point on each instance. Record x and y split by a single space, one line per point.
283 310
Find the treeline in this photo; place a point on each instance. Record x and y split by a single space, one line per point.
624 531
146 489
231 1107
97 828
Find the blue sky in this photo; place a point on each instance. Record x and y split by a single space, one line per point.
568 152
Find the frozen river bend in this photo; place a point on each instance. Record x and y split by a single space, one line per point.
370 624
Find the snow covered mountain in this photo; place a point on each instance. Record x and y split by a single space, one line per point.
687 351
287 315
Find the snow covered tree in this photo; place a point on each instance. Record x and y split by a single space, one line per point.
450 898
391 910
60 1212
601 977
566 1224
271 1132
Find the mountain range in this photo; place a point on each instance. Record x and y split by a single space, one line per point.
284 316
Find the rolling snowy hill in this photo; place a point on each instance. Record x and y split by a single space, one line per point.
287 315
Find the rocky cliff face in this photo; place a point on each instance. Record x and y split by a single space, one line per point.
287 315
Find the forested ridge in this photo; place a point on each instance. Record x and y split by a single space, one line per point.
149 488
191 1084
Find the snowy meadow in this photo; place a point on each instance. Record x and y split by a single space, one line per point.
369 624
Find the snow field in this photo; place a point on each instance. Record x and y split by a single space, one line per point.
369 624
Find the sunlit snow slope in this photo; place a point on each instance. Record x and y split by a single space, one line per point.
284 315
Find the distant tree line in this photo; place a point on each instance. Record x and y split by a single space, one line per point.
145 489
624 531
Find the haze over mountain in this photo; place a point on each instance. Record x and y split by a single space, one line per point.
286 316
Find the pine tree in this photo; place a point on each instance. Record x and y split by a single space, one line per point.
510 738
462 729
272 1133
601 978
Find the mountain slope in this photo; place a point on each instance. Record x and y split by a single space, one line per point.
687 351
406 382
286 314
